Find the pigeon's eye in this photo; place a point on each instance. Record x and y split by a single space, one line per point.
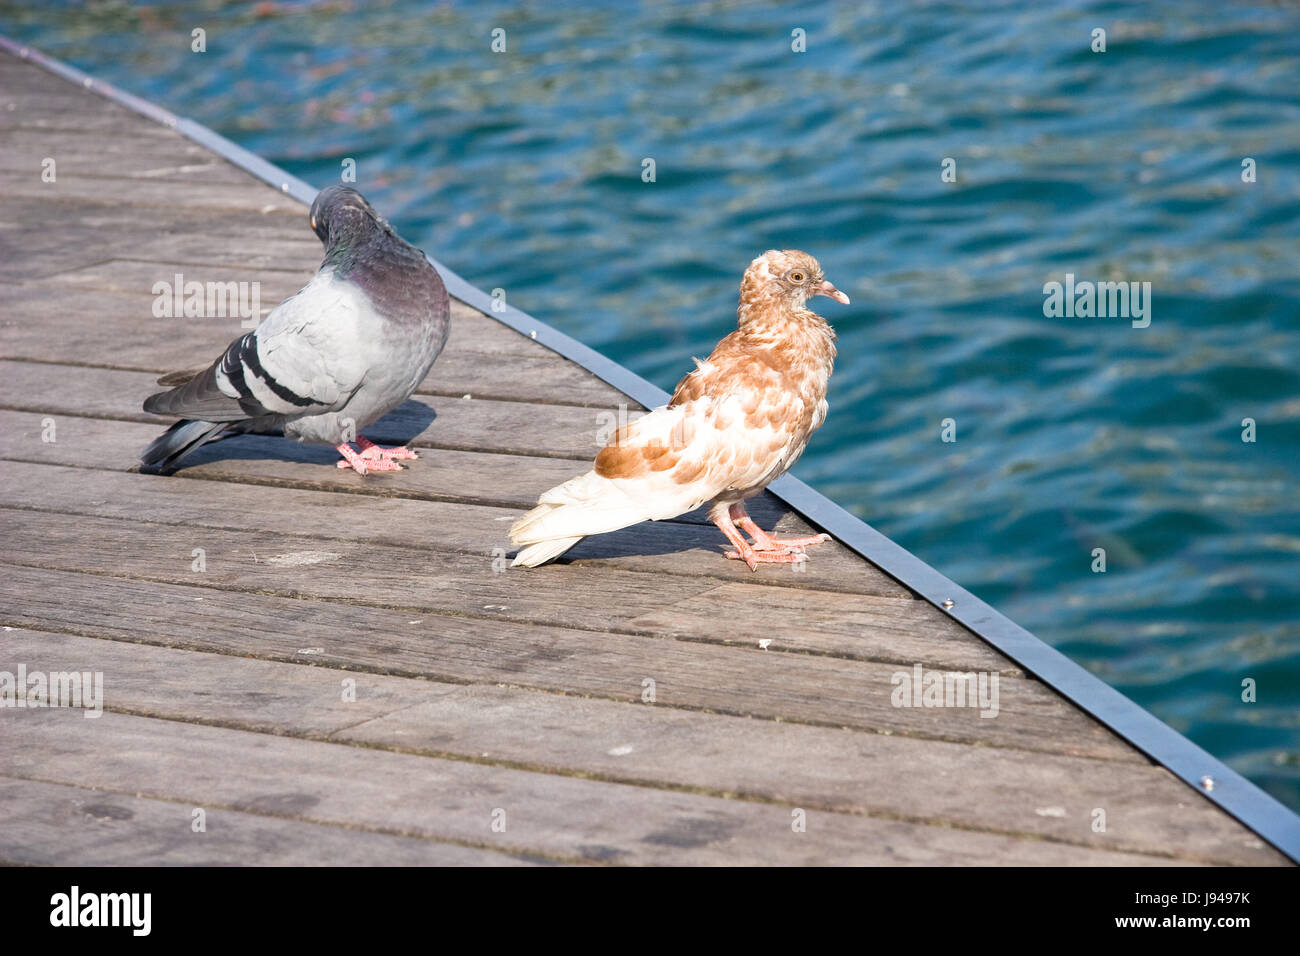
796 276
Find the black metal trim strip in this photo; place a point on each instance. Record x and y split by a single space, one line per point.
1207 775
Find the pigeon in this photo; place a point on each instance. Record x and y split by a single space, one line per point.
733 426
348 348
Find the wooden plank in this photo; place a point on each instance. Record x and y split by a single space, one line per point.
31 97
36 144
68 98
38 314
141 341
78 235
847 625
118 271
686 548
95 157
142 336
688 675
283 231
552 431
77 246
856 623
814 621
66 120
471 330
54 92
145 193
465 582
447 474
215 688
446 583
984 788
562 817
50 824
508 480
542 378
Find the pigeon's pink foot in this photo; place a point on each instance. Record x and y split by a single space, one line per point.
768 551
766 542
361 465
755 558
765 549
369 450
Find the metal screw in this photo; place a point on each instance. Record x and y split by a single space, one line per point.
1207 782
948 604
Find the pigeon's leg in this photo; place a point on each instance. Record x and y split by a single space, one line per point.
766 542
370 450
722 518
362 465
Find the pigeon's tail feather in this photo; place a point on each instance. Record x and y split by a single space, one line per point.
166 451
538 554
199 397
568 513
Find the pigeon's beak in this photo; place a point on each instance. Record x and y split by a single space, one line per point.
826 288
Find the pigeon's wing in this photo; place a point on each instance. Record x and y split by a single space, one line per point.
172 379
733 435
726 434
300 361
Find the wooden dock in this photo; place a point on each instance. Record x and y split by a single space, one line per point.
342 670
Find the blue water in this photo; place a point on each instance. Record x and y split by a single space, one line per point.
522 170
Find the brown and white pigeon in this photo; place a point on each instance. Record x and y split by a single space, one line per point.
327 362
733 426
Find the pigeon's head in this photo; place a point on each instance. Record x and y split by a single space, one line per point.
785 278
340 212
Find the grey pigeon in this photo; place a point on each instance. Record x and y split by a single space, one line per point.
327 362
